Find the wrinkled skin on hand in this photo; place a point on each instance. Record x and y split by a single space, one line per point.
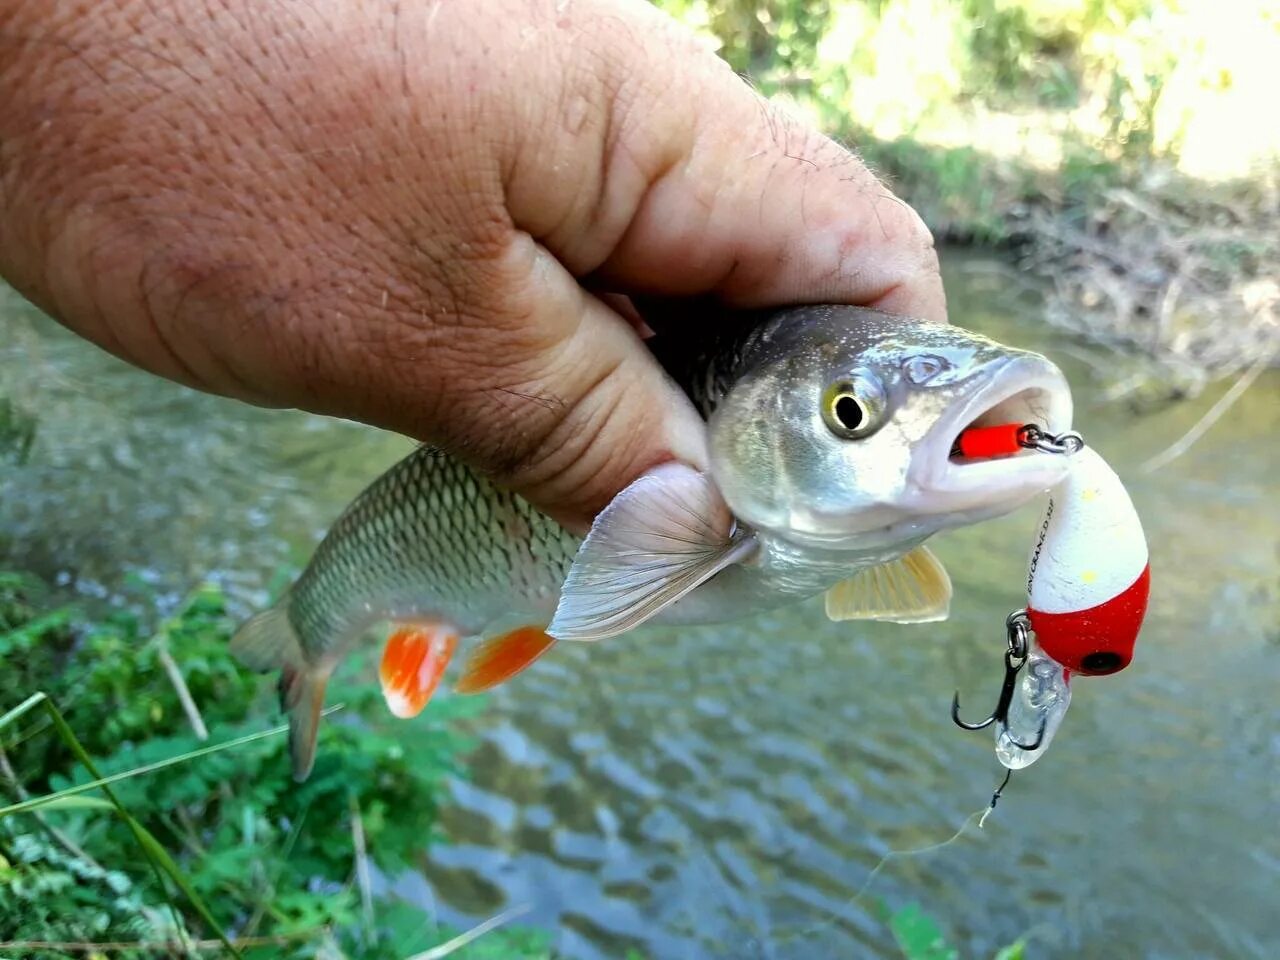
422 214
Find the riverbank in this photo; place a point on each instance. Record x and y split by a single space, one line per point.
1120 152
1134 256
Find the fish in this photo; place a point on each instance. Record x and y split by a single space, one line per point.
830 433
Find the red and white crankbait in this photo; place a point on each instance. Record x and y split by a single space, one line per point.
1087 591
1089 578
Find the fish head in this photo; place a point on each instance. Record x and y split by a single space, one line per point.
839 431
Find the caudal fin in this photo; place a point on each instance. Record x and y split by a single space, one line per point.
268 642
302 695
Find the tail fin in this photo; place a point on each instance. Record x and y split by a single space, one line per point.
268 642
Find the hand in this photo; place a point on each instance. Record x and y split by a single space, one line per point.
419 214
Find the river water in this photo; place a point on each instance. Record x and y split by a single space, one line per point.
727 792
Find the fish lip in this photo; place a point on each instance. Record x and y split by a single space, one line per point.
1046 399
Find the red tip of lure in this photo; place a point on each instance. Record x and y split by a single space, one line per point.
1099 640
980 443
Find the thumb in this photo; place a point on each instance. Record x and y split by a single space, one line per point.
689 183
556 396
657 171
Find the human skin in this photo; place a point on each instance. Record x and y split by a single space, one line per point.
424 215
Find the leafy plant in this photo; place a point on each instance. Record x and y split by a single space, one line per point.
274 861
919 937
17 432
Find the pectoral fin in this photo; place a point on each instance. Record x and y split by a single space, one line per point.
914 588
661 537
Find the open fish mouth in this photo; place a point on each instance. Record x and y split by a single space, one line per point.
1022 390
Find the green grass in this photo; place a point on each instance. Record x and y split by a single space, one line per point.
17 432
125 827
919 937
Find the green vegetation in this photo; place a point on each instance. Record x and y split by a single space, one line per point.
1129 78
1119 149
920 938
275 861
17 433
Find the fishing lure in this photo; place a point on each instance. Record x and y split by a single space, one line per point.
1087 590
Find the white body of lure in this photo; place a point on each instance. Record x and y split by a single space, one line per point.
1089 578
1087 596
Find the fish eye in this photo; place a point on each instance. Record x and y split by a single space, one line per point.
923 367
853 407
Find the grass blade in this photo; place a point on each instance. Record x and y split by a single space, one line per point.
157 857
442 950
104 782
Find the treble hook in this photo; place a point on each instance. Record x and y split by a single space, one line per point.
1014 659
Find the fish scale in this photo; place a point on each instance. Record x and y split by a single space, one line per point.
429 533
432 537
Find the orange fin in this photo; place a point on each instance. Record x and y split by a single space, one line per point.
413 662
502 657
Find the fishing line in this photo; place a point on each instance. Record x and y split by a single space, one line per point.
980 816
995 797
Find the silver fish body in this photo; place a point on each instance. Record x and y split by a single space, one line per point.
821 507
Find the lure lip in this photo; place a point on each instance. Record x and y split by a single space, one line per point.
1023 389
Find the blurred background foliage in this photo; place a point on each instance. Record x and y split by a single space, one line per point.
1125 151
1190 81
17 432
